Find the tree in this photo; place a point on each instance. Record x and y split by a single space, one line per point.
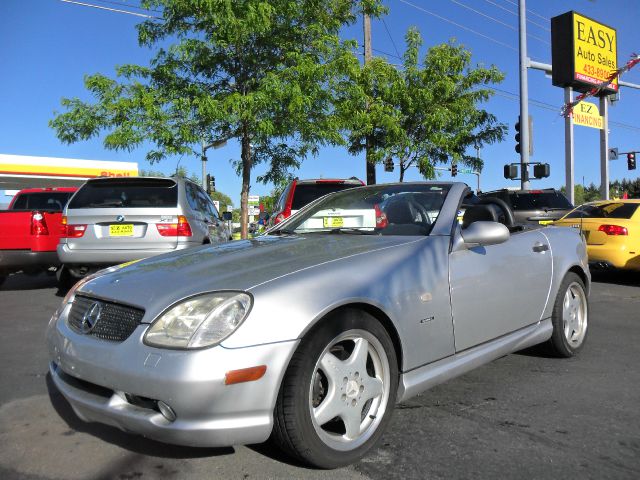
254 70
224 200
425 114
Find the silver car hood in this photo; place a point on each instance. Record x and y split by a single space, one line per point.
157 282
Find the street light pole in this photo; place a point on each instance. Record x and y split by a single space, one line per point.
524 97
217 144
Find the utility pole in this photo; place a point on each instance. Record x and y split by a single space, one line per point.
524 97
216 144
371 166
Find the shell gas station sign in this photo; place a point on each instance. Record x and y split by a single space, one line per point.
584 53
21 171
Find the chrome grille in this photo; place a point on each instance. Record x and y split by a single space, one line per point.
116 322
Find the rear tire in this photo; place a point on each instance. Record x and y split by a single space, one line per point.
338 392
570 317
65 279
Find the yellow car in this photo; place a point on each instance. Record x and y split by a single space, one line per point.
612 231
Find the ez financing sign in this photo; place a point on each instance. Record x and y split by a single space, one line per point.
584 52
587 115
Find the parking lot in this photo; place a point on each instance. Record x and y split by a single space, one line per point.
523 416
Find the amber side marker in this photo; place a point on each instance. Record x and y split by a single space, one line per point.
244 375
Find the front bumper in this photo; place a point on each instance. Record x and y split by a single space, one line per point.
104 382
18 259
100 257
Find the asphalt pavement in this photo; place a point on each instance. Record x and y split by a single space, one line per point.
524 416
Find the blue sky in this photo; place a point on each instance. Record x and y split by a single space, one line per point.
49 45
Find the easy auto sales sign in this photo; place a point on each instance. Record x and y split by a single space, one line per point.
584 52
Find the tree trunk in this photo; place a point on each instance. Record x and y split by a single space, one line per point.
246 183
402 169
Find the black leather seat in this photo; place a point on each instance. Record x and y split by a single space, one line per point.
402 220
477 213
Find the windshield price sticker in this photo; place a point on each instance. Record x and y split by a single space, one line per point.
333 222
121 230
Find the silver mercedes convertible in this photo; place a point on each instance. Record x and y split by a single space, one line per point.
312 332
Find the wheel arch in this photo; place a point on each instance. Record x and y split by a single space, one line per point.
578 270
376 313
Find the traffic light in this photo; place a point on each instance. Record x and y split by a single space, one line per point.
510 171
454 169
211 184
388 165
518 137
542 170
631 160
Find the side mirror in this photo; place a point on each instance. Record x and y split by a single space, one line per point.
227 216
485 233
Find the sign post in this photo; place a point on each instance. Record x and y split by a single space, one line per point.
584 54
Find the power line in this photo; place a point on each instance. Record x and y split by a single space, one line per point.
509 26
530 11
548 106
444 19
137 14
391 38
128 5
515 14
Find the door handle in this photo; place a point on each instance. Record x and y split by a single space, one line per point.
540 247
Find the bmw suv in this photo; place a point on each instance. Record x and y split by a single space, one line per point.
115 220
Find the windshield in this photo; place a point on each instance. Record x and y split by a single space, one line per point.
539 201
42 201
397 209
306 193
605 210
141 193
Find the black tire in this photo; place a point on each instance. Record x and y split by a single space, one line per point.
65 279
570 317
296 429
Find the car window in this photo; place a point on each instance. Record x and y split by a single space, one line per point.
407 209
42 201
280 205
605 210
133 193
538 200
206 203
306 193
192 196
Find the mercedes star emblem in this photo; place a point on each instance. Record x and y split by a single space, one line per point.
91 317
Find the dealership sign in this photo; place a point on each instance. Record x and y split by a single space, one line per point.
584 53
587 115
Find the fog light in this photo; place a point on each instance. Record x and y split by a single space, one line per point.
166 411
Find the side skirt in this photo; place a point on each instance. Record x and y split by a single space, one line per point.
416 381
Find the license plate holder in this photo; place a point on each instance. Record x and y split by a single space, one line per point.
121 230
333 222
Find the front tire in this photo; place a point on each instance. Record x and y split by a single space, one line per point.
570 317
338 392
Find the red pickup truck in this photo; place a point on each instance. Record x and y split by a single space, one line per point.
30 230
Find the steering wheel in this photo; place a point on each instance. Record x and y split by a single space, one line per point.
507 217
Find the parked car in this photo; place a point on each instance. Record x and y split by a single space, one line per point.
302 192
30 230
312 332
534 206
114 220
612 232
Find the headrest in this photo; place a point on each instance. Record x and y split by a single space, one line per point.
399 212
477 213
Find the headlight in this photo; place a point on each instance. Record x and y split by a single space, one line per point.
200 321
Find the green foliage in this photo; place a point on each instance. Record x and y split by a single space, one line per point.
255 70
422 114
224 200
631 187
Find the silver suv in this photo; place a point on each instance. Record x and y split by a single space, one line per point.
115 220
